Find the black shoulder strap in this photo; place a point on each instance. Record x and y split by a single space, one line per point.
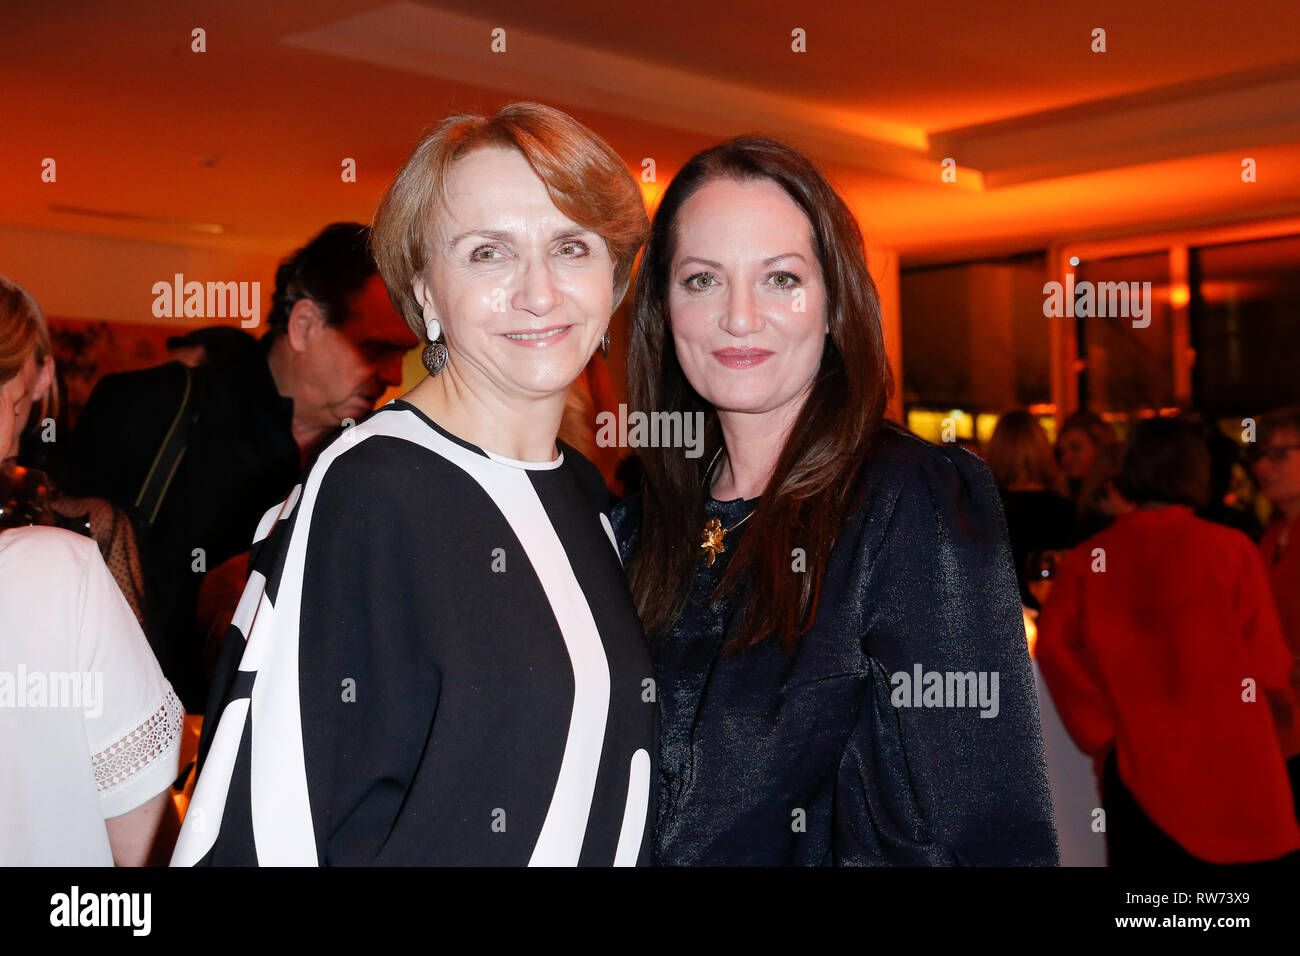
159 478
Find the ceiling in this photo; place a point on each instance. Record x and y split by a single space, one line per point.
240 147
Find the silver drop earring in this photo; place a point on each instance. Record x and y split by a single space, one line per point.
604 345
434 357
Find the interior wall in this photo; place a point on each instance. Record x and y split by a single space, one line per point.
110 279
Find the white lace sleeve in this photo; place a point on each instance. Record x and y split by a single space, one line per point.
133 719
144 761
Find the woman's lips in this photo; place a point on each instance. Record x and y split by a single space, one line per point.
742 358
538 338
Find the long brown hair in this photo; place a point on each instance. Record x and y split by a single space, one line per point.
816 476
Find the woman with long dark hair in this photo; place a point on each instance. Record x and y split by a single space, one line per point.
840 656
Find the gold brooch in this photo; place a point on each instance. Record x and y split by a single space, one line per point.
711 536
712 539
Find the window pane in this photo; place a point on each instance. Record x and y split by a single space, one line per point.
1246 325
1127 368
974 334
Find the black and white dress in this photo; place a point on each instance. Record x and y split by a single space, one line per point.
443 666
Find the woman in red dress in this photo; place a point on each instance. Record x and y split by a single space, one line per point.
1161 647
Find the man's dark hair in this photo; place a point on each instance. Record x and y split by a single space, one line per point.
221 344
1166 462
330 270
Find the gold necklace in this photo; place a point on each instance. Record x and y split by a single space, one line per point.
713 533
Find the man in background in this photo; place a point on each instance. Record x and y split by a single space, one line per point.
198 454
1276 458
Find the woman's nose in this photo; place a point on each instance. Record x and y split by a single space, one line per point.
537 292
742 316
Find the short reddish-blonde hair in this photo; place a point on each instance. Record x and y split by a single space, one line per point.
584 177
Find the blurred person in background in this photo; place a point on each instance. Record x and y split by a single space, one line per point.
197 455
1227 469
1276 459
1039 517
628 477
27 494
89 727
1155 641
1082 436
214 345
1100 502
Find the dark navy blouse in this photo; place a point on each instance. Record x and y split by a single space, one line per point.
904 727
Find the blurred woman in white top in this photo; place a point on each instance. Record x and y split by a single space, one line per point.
89 727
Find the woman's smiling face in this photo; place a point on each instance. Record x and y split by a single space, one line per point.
746 298
523 293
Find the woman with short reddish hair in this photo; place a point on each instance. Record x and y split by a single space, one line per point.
443 663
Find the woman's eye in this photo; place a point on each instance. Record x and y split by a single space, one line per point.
573 249
483 254
784 280
699 282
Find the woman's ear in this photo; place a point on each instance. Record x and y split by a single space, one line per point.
423 296
44 380
8 423
428 310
